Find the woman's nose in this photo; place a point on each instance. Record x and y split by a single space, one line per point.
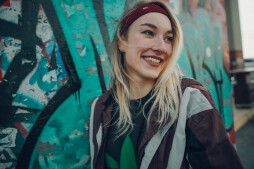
159 45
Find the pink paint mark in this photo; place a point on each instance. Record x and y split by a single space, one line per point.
48 149
89 70
1 74
232 136
21 129
7 3
193 6
44 51
40 8
44 146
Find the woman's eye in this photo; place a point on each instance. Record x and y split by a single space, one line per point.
169 38
148 32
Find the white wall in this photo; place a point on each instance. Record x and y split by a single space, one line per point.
246 10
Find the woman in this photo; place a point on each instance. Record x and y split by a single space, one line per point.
152 117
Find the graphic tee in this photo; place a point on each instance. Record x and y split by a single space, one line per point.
120 152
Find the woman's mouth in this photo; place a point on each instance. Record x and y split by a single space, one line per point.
152 60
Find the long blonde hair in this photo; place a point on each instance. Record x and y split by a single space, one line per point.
167 88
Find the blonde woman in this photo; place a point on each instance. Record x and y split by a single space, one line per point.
152 117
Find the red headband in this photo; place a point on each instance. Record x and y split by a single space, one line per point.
140 11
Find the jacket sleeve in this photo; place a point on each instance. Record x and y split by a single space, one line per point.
208 145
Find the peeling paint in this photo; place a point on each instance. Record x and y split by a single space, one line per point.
9 137
50 76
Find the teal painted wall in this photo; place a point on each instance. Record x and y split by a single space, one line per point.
54 60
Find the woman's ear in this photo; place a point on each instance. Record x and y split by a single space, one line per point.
121 44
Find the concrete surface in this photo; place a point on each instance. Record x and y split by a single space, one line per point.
241 116
245 144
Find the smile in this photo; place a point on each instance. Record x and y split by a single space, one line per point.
153 59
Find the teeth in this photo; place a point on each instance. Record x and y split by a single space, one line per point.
152 60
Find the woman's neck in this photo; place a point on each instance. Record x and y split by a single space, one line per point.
140 89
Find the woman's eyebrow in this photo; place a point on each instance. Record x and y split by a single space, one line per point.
154 27
149 25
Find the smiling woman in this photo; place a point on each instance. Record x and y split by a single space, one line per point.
152 116
147 47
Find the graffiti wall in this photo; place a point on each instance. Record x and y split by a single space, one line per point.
54 60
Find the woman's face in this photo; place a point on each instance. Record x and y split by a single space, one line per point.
147 46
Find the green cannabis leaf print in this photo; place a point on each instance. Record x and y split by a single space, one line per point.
110 162
127 157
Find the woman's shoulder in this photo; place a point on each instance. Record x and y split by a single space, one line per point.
192 83
196 90
189 82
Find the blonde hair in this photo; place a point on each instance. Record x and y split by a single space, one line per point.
167 88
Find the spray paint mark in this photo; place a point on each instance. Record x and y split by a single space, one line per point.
21 129
7 158
99 67
83 52
50 76
8 137
1 74
6 3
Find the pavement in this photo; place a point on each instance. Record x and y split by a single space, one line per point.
244 127
245 144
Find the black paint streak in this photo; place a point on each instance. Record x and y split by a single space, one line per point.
218 87
17 71
25 30
24 117
53 65
205 66
6 158
190 60
99 67
77 95
99 12
13 30
73 83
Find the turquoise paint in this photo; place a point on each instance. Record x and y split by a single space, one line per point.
113 9
27 101
37 77
51 84
203 42
77 35
67 131
184 63
4 62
